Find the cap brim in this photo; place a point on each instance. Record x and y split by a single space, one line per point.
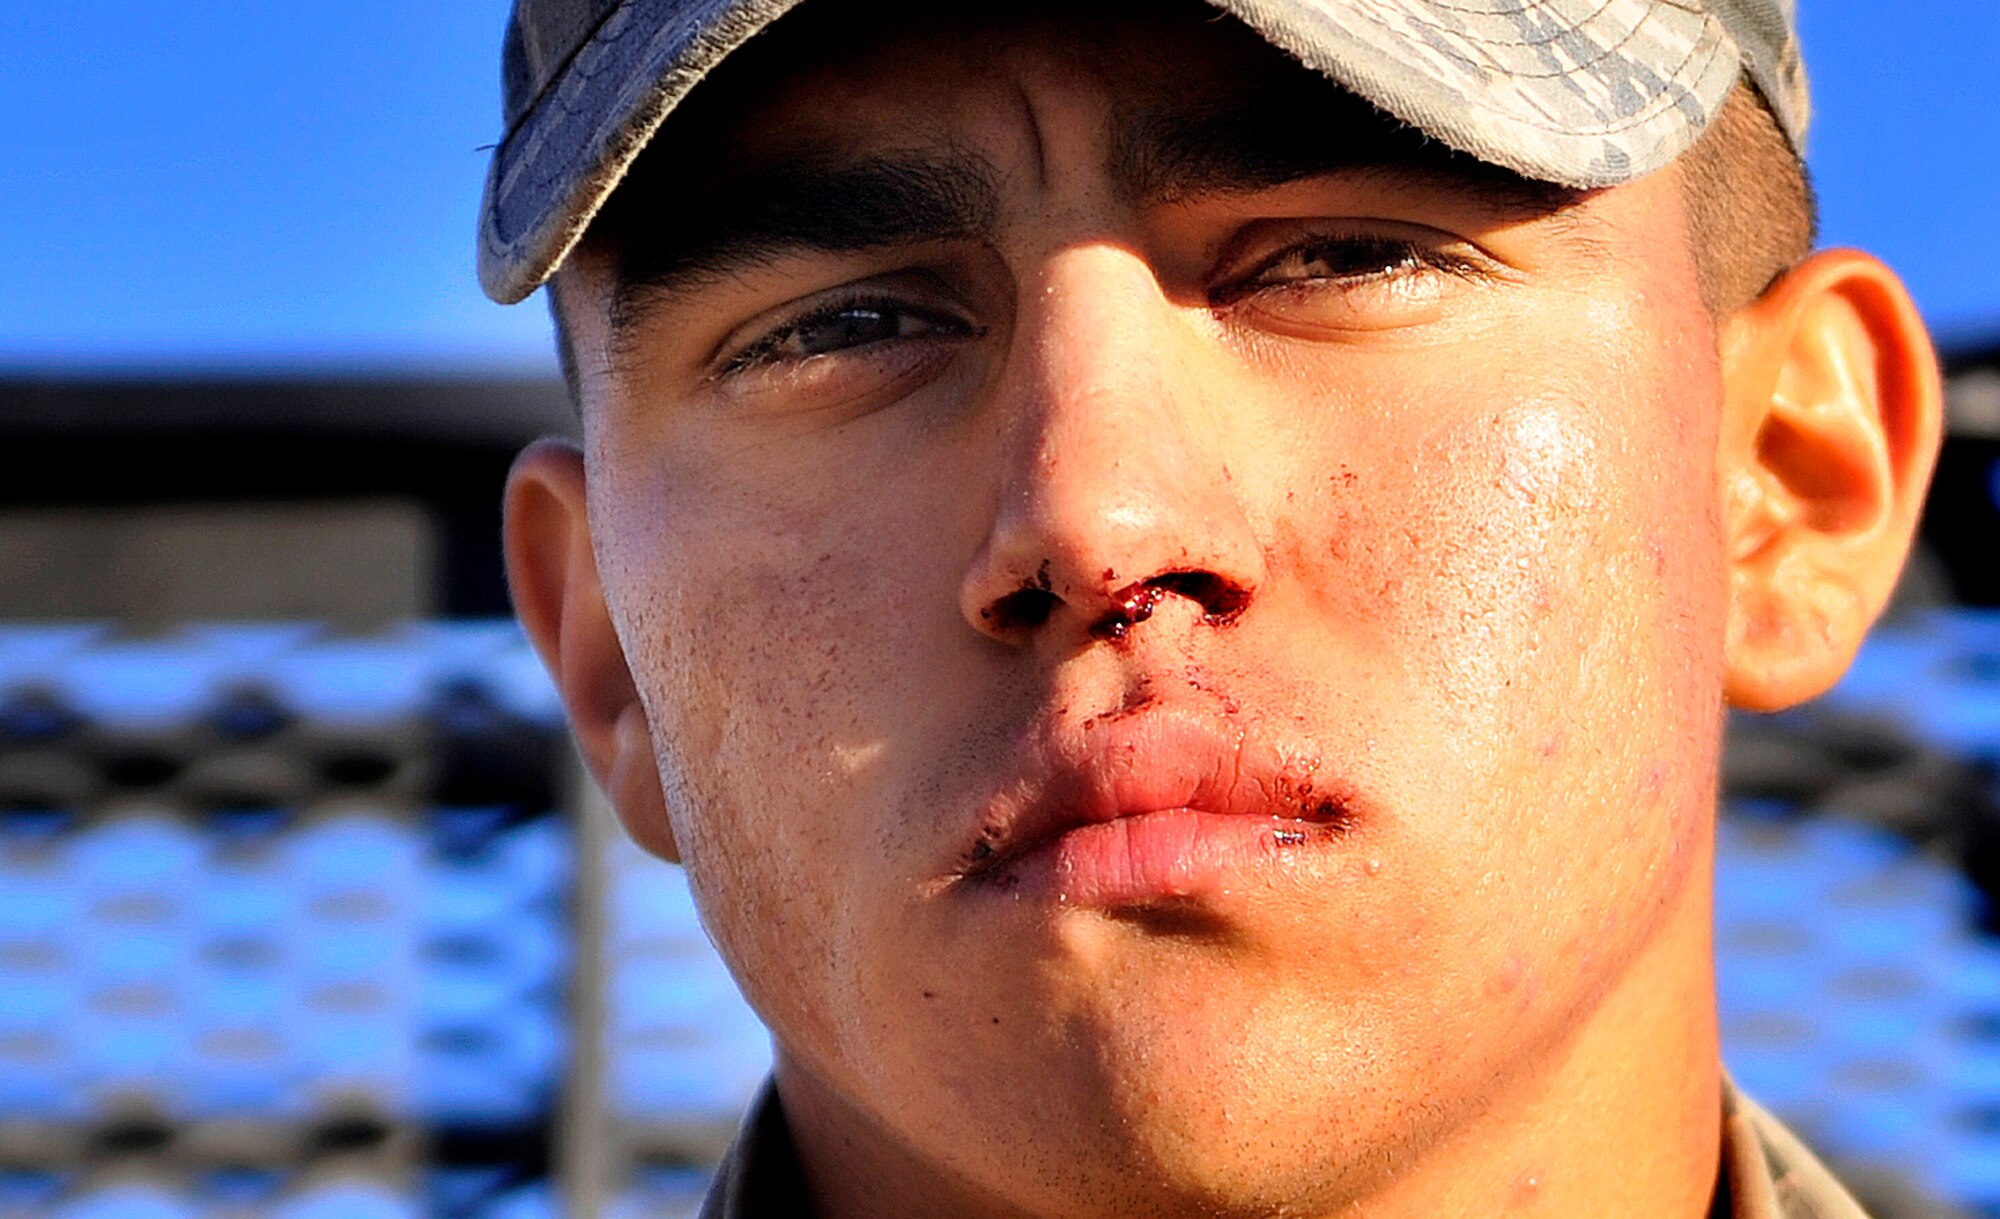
1584 93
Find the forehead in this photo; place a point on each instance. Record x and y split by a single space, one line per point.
839 82
829 67
1174 98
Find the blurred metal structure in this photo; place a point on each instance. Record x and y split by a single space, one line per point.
282 912
360 501
1962 519
385 780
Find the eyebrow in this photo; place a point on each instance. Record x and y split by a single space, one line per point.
670 240
1292 133
804 204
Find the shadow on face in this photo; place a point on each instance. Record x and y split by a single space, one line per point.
1179 627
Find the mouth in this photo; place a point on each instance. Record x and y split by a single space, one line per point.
1134 810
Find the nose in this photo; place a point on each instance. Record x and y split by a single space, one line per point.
1117 500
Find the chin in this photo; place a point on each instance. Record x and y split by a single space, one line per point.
1207 1100
1266 1069
1221 1137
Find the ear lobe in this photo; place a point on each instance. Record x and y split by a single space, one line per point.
1833 415
552 573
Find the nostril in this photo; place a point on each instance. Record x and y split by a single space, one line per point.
1221 600
1133 604
1030 606
1022 609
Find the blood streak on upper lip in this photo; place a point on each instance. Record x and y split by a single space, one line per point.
1150 805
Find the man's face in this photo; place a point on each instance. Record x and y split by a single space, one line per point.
1340 540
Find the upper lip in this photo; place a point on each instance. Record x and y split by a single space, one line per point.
1110 767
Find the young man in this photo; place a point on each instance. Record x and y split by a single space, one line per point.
1172 572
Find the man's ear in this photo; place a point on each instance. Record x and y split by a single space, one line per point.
552 572
1832 419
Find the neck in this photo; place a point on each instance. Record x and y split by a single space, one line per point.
1623 1119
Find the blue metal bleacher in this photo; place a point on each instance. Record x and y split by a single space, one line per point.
245 880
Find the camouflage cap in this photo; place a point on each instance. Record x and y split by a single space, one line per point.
1584 93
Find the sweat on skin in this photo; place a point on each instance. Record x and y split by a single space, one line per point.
1503 514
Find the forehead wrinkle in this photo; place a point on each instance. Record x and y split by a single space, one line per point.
668 243
1303 128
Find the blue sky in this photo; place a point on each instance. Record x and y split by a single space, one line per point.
210 184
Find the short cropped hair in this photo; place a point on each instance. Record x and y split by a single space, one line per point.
1751 214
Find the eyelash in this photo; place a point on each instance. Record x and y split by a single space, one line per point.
762 352
1388 259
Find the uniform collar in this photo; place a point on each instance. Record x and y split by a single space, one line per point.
758 1177
1768 1173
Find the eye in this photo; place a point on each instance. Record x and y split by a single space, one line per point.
1340 259
844 326
1350 280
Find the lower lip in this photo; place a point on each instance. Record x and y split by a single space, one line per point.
1152 857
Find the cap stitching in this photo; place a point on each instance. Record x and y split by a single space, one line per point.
1607 52
543 242
1527 6
1686 6
512 254
1647 113
561 70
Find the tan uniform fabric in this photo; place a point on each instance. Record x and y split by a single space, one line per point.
1770 1174
1766 1172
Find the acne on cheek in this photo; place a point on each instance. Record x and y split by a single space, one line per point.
747 645
786 631
1532 572
1515 980
1504 528
739 642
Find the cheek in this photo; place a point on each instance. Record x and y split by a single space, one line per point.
1516 558
793 651
1539 577
1544 556
1581 615
741 633
751 613
1504 531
